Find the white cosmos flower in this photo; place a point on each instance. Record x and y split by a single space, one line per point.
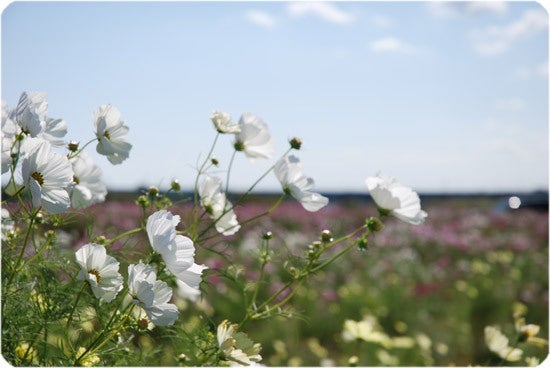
177 251
31 115
48 175
396 199
498 344
9 131
189 281
236 347
289 172
215 202
151 294
109 132
7 223
99 270
223 124
88 187
31 111
254 138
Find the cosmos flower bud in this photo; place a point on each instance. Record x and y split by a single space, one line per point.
362 243
239 146
215 161
153 191
73 146
142 201
295 143
175 185
267 235
326 236
374 224
39 218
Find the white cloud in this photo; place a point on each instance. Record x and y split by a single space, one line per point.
261 19
511 104
528 72
495 40
323 10
448 9
381 21
390 44
542 70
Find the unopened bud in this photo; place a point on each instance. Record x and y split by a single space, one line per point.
73 146
50 234
142 201
215 161
326 236
182 357
239 146
39 218
175 185
153 191
267 235
374 224
362 243
295 143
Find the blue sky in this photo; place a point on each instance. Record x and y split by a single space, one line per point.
443 96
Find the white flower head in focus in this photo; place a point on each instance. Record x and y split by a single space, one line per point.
88 188
215 202
9 131
223 124
177 251
498 344
99 270
31 115
110 130
236 347
151 294
396 199
48 175
254 138
189 281
289 172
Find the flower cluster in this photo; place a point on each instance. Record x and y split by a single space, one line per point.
56 181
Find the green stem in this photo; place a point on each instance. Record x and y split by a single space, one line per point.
273 208
74 154
27 235
120 236
70 319
329 261
245 194
229 172
196 186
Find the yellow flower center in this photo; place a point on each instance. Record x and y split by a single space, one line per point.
75 179
38 177
107 135
94 272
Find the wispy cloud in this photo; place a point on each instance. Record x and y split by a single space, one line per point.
390 44
454 8
511 104
323 10
528 72
495 39
261 18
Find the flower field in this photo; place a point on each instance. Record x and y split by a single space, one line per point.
427 291
217 278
